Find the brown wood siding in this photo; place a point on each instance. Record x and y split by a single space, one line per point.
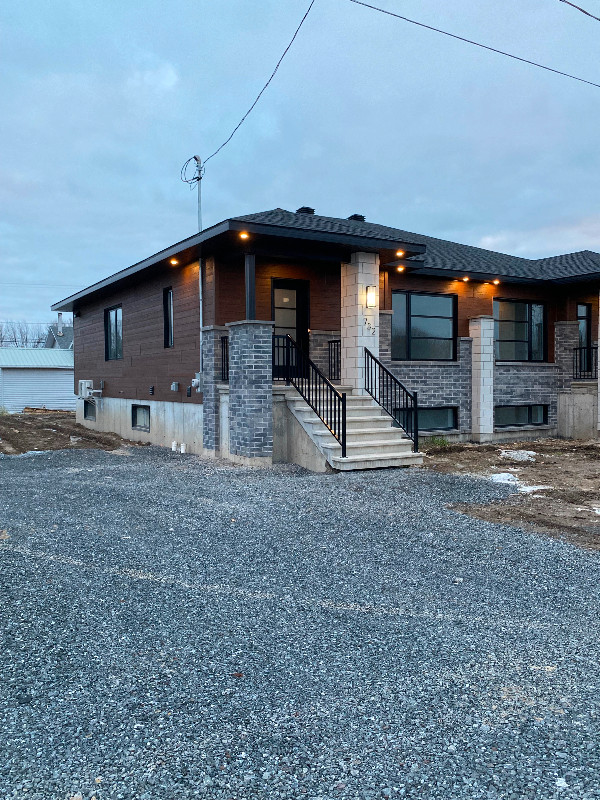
146 361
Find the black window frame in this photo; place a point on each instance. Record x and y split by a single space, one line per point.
529 407
134 410
405 416
588 321
529 359
107 349
168 317
454 339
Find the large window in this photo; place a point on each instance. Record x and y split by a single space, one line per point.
423 326
113 333
168 316
519 330
439 418
509 416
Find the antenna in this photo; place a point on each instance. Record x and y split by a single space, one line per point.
196 179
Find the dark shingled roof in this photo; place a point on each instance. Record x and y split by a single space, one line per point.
442 255
64 342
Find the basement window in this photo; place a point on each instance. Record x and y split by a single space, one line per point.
89 410
440 418
515 416
140 418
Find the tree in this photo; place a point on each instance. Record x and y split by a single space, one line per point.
19 333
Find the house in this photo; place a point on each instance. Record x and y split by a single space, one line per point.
289 336
59 336
36 377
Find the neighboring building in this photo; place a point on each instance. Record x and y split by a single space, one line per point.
497 347
59 336
37 378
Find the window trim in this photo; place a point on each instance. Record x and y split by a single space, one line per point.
107 356
529 359
454 339
529 423
588 320
134 408
168 318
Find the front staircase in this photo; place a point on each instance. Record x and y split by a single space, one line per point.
372 441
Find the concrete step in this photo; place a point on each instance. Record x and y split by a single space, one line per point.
366 435
351 411
374 447
377 462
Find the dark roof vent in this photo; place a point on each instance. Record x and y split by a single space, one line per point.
357 217
305 210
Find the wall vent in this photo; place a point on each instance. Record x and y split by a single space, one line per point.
305 210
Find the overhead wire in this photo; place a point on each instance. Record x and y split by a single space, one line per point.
477 44
583 11
200 171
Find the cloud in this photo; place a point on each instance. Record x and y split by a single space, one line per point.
561 237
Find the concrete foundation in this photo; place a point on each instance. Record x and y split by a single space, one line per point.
577 409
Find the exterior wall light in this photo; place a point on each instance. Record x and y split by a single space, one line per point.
244 235
399 253
496 282
174 262
371 297
465 279
400 269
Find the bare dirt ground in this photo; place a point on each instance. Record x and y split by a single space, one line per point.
565 502
50 430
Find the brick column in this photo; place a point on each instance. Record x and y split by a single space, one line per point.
251 392
566 339
211 376
360 325
481 330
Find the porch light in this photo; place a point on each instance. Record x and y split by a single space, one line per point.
399 253
244 235
174 262
400 269
371 299
496 282
466 278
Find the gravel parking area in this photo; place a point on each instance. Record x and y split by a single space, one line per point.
175 628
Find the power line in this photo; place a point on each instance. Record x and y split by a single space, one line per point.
198 176
583 11
477 44
42 285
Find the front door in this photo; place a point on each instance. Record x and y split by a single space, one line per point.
289 300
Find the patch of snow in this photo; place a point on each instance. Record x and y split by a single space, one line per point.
504 477
518 455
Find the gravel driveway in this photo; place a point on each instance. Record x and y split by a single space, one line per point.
175 629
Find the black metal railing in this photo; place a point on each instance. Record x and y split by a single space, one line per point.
292 365
224 358
585 363
393 397
335 353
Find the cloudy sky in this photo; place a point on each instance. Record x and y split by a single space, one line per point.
102 102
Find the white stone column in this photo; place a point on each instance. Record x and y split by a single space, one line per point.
481 330
360 325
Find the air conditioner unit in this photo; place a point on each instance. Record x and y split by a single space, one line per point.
86 389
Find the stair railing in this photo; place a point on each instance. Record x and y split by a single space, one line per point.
292 365
393 397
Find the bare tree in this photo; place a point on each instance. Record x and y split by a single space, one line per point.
19 333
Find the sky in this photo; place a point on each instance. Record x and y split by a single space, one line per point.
102 102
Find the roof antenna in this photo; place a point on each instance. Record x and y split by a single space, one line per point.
195 179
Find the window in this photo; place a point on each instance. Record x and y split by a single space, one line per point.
168 316
519 330
89 410
113 333
508 416
423 326
430 419
140 418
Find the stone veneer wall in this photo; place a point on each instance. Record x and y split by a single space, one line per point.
251 391
566 339
319 348
438 383
527 384
211 376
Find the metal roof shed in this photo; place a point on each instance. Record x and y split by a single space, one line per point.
36 377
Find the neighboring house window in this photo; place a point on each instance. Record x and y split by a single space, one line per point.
519 330
113 333
89 410
140 418
440 418
423 326
168 316
509 416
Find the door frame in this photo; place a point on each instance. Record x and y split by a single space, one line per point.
302 287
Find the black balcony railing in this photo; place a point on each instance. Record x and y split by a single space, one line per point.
292 365
224 358
335 353
393 397
585 363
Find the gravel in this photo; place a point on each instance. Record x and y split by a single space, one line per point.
177 628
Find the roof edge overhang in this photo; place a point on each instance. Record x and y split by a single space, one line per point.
344 240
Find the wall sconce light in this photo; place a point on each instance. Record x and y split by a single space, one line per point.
371 297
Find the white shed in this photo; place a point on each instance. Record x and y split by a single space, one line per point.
37 377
